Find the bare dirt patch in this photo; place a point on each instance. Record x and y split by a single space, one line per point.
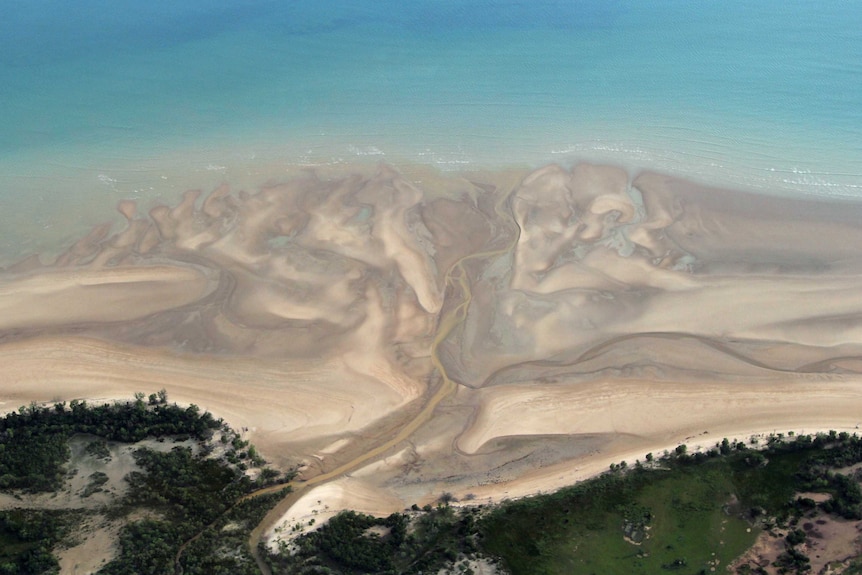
829 543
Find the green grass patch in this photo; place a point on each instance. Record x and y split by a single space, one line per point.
696 514
641 522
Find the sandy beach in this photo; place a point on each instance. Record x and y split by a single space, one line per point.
559 321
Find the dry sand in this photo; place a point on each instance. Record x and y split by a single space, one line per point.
584 317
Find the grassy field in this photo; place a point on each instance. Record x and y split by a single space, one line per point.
645 522
687 518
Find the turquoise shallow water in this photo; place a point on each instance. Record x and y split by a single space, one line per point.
106 99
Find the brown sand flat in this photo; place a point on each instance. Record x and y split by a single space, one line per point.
563 319
75 296
296 400
668 410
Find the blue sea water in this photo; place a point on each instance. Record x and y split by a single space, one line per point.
104 99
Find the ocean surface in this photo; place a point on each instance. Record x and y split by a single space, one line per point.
102 100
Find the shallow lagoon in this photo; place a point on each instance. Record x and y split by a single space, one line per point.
105 101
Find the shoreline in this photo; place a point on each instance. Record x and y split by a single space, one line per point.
46 195
540 325
348 491
324 502
598 466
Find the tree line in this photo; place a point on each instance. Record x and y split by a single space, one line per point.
34 440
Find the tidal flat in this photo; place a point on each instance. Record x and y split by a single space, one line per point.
494 334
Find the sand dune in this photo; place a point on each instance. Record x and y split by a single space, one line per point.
579 316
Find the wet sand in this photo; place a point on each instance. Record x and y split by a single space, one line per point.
584 316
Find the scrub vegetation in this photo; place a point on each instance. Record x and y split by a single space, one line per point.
185 509
681 513
180 513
